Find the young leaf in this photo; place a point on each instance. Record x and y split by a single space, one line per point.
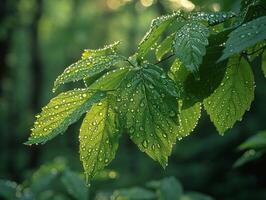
213 18
233 97
245 36
165 46
149 111
189 45
107 50
62 111
99 136
86 68
158 26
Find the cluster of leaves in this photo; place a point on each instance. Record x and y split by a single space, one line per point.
212 55
254 148
51 181
166 189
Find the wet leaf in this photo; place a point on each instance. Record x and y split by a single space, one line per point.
213 18
111 80
99 134
107 50
158 26
60 112
87 68
245 36
165 46
190 45
233 97
149 111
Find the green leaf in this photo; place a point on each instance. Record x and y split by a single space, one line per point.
257 141
165 46
62 111
170 189
248 156
213 18
99 136
263 66
75 185
9 189
43 178
189 45
211 75
158 26
86 68
233 97
195 196
107 50
111 80
148 107
134 193
245 36
188 118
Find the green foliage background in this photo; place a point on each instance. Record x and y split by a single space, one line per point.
38 38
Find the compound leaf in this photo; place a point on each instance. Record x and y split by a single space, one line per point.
158 26
189 45
61 112
86 68
99 136
233 97
245 36
149 111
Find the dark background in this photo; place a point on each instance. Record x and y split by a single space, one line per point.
39 38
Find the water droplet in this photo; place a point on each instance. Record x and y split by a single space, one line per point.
145 143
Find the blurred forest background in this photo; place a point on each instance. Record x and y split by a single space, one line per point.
40 38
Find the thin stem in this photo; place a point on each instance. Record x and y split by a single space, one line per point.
166 58
130 63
